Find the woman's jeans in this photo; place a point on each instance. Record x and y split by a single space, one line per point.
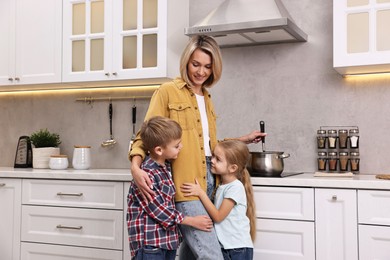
198 244
244 253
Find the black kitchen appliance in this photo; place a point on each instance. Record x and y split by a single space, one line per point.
23 157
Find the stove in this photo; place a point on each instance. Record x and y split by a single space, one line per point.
288 174
282 175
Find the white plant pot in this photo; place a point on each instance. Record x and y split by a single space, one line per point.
41 156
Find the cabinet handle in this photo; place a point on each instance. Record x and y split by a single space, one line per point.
114 73
69 227
334 197
10 79
17 79
107 74
70 194
2 184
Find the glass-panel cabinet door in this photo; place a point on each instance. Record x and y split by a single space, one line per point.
138 35
87 40
361 36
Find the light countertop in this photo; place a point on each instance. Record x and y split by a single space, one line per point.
358 181
68 174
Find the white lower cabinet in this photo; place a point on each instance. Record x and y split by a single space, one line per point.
10 207
284 240
34 251
336 224
64 219
285 223
69 226
374 224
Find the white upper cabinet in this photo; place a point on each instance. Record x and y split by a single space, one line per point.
123 40
361 40
30 42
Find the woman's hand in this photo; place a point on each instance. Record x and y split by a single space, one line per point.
253 137
191 189
202 222
141 178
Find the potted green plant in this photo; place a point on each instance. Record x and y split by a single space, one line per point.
45 144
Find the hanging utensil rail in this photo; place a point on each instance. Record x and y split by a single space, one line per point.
92 99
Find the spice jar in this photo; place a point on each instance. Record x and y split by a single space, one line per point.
321 138
343 137
354 161
332 138
354 138
322 161
333 161
343 158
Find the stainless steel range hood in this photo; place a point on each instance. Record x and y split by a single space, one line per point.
249 22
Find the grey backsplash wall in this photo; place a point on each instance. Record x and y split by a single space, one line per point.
292 87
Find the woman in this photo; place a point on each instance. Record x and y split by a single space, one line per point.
187 101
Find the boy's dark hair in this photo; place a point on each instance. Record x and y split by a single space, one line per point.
159 131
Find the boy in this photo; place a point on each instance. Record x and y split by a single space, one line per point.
152 226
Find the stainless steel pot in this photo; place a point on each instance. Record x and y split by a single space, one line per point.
267 164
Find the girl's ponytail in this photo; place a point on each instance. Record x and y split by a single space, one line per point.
251 207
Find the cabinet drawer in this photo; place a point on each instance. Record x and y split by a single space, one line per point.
73 226
374 242
284 203
284 240
33 251
88 194
374 207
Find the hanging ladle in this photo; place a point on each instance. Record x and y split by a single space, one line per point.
111 141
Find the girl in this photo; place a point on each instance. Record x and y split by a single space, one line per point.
233 210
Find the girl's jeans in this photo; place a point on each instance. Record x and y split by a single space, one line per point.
244 253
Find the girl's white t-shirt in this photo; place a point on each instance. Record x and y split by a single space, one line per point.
205 124
234 230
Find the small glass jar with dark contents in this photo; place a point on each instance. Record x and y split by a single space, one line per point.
354 161
343 138
332 138
321 139
332 161
322 161
343 159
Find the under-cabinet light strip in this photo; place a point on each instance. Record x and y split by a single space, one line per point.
78 90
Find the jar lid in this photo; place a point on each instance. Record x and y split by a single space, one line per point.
82 146
343 154
332 131
321 153
354 154
354 131
343 131
59 156
332 154
321 132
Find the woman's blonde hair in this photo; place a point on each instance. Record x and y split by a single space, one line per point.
236 152
208 45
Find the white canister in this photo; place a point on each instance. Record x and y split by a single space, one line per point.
81 157
58 162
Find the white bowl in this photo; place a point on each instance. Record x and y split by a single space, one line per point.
58 162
